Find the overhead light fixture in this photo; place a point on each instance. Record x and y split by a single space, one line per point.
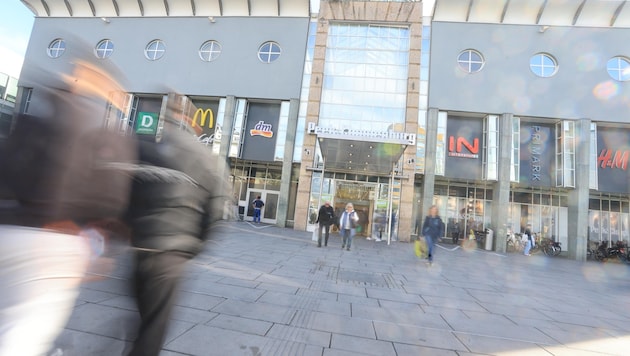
542 29
211 19
105 19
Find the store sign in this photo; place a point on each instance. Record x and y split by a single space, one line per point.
537 154
461 147
262 129
613 154
463 158
259 139
201 116
146 123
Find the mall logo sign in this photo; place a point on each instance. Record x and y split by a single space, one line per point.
262 129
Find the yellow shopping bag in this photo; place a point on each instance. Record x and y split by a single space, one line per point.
420 247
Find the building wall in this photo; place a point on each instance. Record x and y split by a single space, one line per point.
237 71
581 87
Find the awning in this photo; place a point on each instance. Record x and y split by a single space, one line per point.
361 152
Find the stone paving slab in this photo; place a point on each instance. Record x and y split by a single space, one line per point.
260 290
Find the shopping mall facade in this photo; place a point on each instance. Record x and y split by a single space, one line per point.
501 113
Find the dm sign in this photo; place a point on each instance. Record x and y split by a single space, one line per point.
146 123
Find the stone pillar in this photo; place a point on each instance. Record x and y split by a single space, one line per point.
285 180
501 189
428 182
226 129
578 197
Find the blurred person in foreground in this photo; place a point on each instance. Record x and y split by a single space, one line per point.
61 185
178 192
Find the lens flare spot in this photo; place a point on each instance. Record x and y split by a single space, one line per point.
605 90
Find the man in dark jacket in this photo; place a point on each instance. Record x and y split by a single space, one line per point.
176 196
325 218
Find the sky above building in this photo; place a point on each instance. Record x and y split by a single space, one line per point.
16 23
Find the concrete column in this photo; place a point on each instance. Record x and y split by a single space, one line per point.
578 197
228 123
501 189
428 182
285 180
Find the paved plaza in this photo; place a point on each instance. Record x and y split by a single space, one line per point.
260 290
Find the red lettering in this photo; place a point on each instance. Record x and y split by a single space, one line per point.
472 148
619 160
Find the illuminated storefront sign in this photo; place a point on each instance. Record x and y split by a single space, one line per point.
463 159
262 129
146 123
456 147
200 117
537 150
613 154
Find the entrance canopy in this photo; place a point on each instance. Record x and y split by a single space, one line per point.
361 152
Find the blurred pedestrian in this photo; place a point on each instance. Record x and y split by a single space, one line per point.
61 176
258 204
325 218
529 243
177 194
432 229
347 224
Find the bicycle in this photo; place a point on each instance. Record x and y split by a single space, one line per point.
514 243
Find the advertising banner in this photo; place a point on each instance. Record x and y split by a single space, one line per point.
463 155
205 117
538 150
259 142
613 153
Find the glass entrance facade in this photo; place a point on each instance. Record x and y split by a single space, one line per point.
373 199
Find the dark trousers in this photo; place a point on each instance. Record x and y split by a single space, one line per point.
326 228
157 278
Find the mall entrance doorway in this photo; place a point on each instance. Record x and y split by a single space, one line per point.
269 211
373 200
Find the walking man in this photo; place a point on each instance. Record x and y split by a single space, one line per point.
178 192
258 204
325 218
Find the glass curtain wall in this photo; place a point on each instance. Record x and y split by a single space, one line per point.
365 77
465 209
608 220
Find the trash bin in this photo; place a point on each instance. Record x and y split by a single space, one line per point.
489 238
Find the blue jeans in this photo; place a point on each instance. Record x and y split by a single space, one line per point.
430 243
528 246
346 235
256 214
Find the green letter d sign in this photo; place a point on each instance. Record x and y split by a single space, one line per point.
146 123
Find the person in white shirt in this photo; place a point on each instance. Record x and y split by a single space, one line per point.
347 224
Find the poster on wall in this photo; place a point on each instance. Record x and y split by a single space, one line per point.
537 163
259 142
613 153
463 143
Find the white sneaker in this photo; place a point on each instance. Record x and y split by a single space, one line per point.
368 238
378 240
